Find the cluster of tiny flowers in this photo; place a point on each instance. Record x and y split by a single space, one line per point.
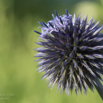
72 53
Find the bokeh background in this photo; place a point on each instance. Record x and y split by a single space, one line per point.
19 80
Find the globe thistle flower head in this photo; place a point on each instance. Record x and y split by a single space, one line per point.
71 54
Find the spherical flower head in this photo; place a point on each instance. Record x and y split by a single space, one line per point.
72 53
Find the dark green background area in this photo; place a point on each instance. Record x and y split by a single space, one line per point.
19 80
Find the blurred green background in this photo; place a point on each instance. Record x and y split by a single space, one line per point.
19 80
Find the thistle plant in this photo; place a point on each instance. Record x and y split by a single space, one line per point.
71 55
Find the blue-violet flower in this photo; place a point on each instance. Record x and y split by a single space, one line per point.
72 53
